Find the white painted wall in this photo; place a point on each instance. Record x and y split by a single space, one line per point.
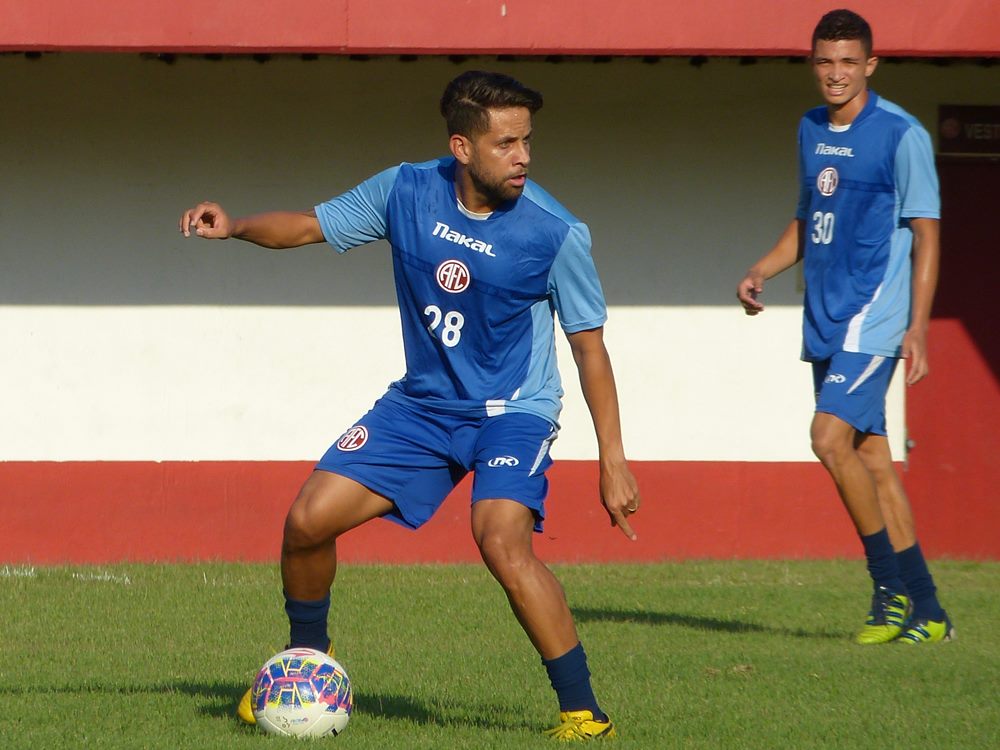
121 341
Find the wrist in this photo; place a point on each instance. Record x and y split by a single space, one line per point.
237 228
611 459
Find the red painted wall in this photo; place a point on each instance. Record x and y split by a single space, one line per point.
954 472
528 27
954 416
107 512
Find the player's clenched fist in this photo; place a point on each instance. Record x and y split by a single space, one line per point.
208 220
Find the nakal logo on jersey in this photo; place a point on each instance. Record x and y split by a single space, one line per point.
826 181
445 232
823 149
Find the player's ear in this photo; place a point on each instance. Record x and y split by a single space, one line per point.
461 148
871 65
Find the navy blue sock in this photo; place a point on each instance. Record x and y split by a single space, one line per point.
882 565
570 678
919 584
307 622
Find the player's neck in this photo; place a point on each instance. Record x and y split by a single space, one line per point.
846 113
472 199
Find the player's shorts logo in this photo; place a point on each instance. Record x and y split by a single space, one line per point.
835 377
503 461
827 181
353 439
453 276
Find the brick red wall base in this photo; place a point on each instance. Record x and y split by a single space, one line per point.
103 512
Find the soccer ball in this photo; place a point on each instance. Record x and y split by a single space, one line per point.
302 692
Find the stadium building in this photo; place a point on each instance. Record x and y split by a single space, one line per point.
164 398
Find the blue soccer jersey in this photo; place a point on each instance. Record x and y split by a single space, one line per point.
859 188
476 298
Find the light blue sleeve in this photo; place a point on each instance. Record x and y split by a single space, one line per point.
359 215
916 178
574 285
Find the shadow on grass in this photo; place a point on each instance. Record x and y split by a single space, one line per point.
494 717
695 622
220 699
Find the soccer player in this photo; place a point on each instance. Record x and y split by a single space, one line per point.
867 227
482 258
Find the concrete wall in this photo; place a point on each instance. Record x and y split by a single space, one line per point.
122 341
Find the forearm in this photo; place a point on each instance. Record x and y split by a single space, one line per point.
926 264
597 382
786 252
279 229
619 490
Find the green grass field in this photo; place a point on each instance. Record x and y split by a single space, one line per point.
686 655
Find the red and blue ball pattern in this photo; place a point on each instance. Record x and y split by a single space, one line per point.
299 678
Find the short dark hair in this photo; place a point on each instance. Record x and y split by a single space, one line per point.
467 100
843 24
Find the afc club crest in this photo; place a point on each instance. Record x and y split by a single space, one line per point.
353 439
827 180
453 276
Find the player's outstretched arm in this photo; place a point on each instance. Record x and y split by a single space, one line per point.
276 230
619 490
785 254
926 262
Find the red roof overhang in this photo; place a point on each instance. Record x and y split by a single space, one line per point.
909 28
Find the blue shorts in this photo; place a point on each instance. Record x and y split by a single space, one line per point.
416 457
852 386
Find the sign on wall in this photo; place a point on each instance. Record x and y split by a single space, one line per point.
969 130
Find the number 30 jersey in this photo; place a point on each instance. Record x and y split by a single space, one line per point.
859 188
476 297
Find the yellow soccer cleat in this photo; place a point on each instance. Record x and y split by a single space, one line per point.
885 619
580 725
244 711
928 631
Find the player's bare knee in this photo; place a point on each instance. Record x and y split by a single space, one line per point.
302 532
505 560
878 463
824 448
830 446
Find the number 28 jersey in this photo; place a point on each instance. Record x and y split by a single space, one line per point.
476 297
859 188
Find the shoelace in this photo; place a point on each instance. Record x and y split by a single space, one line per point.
882 600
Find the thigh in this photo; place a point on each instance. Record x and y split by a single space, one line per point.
852 387
330 504
509 458
400 454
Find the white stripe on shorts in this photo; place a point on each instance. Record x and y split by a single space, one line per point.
877 360
543 450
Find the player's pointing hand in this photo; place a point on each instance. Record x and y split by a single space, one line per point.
620 495
207 220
